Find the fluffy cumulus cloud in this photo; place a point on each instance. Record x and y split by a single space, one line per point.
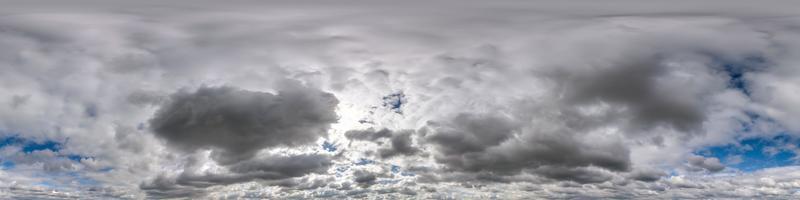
615 99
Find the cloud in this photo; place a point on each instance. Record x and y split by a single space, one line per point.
236 123
472 133
632 84
703 163
364 178
399 142
278 169
485 143
368 134
647 175
580 175
284 166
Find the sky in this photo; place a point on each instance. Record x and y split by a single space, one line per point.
357 99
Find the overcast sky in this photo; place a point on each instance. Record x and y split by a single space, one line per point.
442 99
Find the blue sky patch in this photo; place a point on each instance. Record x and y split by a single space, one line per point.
395 102
46 145
78 158
6 164
364 161
737 69
329 147
755 153
10 140
29 146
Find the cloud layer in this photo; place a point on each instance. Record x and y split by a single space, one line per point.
441 99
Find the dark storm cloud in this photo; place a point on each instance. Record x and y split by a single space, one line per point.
480 143
237 123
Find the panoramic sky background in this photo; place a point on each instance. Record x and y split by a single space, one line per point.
399 99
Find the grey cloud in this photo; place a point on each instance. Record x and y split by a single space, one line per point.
19 100
400 142
364 178
128 139
146 98
647 175
580 175
313 184
368 134
553 155
164 187
37 192
284 166
61 165
237 123
91 110
277 169
632 83
702 163
472 133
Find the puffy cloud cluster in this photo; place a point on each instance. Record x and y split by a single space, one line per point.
399 143
238 123
701 163
283 100
273 169
235 125
492 144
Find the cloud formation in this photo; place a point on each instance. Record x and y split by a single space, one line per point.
614 99
236 124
